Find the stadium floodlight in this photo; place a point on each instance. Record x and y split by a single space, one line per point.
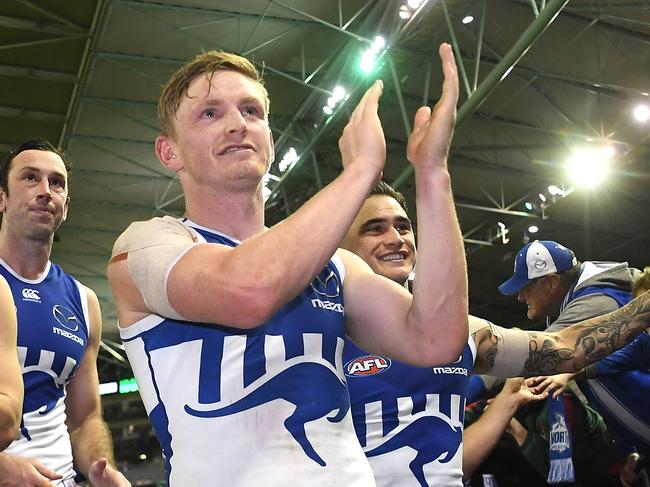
369 56
404 12
289 159
588 167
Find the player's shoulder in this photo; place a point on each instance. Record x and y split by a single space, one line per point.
157 231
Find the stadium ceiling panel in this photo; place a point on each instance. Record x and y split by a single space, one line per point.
540 81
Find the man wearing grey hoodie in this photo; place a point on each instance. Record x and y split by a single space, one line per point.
554 285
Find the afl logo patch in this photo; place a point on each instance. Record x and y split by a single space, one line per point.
367 365
65 317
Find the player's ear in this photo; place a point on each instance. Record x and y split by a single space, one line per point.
66 206
166 153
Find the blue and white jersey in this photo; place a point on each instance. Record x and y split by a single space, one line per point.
53 336
409 420
242 407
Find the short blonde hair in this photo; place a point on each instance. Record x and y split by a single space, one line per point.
641 283
206 63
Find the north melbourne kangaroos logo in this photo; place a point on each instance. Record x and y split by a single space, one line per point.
290 384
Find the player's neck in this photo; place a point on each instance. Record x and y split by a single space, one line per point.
27 258
238 214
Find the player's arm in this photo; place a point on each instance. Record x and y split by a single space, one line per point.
482 436
244 286
511 353
91 440
380 317
11 381
431 327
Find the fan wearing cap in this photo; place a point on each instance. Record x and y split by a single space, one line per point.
555 286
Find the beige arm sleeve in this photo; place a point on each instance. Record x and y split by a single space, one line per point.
153 248
511 353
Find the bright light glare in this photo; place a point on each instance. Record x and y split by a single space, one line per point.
467 19
339 93
414 3
404 12
378 43
588 167
533 229
289 159
642 113
528 205
367 61
608 151
555 190
143 456
542 197
328 110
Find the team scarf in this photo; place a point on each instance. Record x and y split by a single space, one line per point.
559 443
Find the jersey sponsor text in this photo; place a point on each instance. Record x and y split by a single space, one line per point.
67 334
450 370
319 303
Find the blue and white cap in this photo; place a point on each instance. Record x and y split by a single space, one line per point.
537 259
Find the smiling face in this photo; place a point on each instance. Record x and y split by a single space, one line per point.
221 135
381 234
36 200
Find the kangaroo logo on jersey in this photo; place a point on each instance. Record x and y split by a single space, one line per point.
326 284
367 365
417 435
31 295
65 317
289 383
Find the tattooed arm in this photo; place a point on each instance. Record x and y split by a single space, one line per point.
507 353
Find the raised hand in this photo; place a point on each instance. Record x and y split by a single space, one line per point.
429 142
363 140
101 474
